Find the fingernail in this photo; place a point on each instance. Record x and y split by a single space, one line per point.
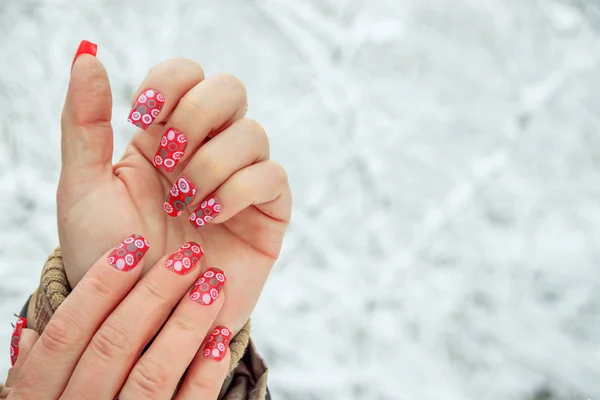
128 254
85 47
207 288
185 259
16 338
217 343
180 195
171 148
146 108
208 209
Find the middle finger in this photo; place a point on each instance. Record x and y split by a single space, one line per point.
211 106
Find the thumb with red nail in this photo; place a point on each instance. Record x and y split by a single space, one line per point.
93 204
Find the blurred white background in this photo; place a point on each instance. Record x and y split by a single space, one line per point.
445 161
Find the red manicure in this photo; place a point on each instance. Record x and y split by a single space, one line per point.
207 288
209 209
217 344
171 148
146 108
85 47
185 259
16 338
180 195
128 254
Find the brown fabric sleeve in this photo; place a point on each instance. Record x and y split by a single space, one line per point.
249 379
53 290
247 370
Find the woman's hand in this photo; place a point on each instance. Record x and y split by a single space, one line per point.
91 347
99 202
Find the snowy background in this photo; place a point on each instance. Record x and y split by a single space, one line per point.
445 161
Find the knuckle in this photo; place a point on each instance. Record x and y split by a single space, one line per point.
153 290
179 66
242 186
279 173
110 340
200 384
185 64
96 287
149 378
255 130
231 82
184 325
191 106
211 165
59 336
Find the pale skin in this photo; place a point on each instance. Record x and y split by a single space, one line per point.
99 204
91 347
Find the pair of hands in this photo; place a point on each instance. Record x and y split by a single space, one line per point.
220 175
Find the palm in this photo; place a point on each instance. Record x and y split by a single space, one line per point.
92 219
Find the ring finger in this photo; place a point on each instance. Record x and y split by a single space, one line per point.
244 143
160 369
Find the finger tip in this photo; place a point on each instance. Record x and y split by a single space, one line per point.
137 125
29 334
87 64
85 47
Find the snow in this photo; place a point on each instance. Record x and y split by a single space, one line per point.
445 163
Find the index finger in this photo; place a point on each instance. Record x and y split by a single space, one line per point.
161 90
56 353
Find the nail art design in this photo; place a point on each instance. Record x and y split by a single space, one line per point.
85 47
146 108
171 148
185 259
217 343
16 338
180 195
206 289
209 209
129 253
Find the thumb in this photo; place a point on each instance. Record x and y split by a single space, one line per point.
87 136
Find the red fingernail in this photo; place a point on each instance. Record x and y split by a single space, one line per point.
208 209
217 343
180 195
85 47
171 148
16 338
128 254
146 108
185 259
206 289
